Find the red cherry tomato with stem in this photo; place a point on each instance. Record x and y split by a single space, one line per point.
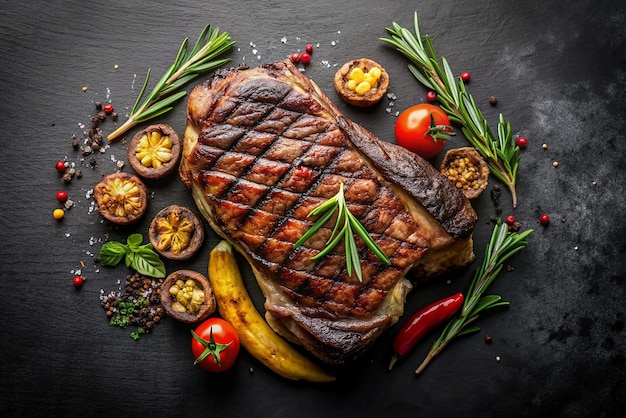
215 345
423 129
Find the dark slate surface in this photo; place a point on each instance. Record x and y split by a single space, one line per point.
559 71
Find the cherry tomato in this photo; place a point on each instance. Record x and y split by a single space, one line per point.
465 76
215 345
305 58
423 129
431 96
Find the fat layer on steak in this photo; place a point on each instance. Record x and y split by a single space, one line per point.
262 148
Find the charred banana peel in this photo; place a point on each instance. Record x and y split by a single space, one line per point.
256 336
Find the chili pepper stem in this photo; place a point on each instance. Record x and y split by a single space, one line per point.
394 360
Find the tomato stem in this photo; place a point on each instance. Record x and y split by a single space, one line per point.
210 348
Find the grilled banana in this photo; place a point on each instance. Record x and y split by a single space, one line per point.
256 336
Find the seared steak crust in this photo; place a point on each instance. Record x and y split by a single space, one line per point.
263 147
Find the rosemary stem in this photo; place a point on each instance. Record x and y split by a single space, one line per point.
123 128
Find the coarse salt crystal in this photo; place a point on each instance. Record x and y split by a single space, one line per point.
283 39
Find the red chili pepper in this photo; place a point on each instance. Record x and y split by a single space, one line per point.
422 322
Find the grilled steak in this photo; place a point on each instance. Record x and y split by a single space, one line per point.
265 146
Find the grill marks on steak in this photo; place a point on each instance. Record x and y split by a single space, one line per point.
263 148
262 199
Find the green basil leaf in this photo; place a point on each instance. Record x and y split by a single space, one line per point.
134 240
148 263
130 258
112 253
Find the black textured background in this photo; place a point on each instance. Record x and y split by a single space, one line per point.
559 70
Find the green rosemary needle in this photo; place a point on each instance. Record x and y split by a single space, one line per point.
501 152
345 228
188 65
501 247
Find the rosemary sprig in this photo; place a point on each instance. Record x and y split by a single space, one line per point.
345 228
501 153
188 65
501 247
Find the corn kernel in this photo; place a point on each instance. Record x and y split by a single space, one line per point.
178 307
356 74
375 72
370 79
363 87
351 85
